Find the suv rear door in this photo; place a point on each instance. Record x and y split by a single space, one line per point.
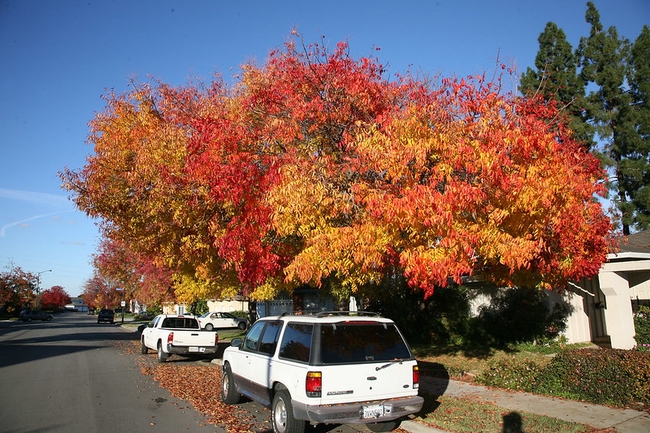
364 360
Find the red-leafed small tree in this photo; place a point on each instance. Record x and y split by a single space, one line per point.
54 298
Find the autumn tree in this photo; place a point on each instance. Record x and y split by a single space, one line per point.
138 276
54 298
101 292
317 169
17 289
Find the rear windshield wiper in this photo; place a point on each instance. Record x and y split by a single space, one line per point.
393 362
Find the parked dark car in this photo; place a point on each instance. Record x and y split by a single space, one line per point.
29 315
106 315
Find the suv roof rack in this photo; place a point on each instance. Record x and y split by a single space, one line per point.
330 313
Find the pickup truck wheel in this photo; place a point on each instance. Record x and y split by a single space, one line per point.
385 426
209 327
282 415
162 356
143 349
229 394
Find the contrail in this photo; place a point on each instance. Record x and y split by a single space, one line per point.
6 226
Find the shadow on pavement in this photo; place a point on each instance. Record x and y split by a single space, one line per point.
24 342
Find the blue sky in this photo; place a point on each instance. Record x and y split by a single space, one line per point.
58 57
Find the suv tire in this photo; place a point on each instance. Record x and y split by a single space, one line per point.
282 415
229 394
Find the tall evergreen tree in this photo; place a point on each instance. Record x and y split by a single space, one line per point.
605 87
604 57
636 166
556 78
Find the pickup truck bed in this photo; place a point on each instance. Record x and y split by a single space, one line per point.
177 334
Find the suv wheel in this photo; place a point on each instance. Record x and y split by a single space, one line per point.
282 415
229 394
383 426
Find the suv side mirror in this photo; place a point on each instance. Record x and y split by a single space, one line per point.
236 342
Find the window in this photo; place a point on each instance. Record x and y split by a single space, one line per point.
296 342
269 339
253 336
361 342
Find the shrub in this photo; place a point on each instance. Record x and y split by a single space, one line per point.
512 373
642 328
518 315
239 313
604 376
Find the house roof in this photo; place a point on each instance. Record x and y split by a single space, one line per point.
636 243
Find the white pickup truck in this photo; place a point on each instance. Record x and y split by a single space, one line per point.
169 333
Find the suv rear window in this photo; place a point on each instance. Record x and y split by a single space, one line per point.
296 342
361 342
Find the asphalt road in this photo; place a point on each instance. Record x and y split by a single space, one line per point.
73 375
69 376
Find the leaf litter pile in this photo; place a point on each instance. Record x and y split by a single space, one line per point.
200 385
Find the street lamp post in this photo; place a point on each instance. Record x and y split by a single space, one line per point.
122 304
38 287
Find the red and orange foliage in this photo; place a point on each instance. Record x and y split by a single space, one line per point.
54 297
316 167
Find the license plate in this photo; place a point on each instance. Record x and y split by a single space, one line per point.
194 349
373 411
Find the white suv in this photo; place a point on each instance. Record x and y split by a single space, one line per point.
331 367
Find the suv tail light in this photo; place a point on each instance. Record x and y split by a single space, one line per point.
416 377
314 383
170 338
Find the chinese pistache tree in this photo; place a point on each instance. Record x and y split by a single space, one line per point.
316 169
54 298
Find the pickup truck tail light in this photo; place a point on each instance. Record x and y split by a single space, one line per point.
170 338
314 383
416 377
216 338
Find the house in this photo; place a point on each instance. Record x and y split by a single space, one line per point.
238 303
77 304
604 304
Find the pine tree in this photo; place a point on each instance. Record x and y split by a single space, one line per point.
604 86
556 78
636 167
604 58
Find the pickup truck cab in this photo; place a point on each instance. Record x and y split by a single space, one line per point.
332 367
169 334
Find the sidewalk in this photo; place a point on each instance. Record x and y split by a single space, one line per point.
600 417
